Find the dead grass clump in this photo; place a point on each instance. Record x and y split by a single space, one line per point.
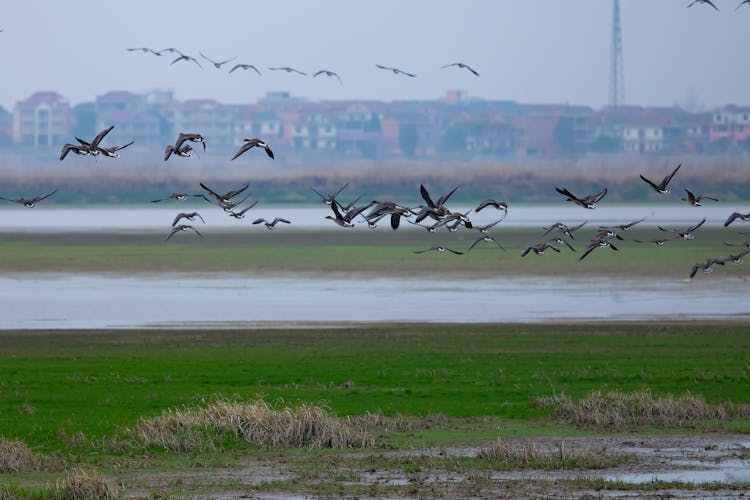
16 456
617 410
255 422
84 485
531 455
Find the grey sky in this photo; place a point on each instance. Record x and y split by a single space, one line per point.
525 50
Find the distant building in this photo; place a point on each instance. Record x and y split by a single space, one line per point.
730 125
44 119
6 127
134 116
210 118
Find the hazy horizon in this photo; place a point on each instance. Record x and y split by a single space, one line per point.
533 51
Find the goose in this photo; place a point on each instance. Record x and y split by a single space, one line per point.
561 241
183 227
661 188
594 244
539 248
170 50
189 216
184 151
184 57
488 239
178 197
438 207
241 213
245 66
433 228
228 205
345 219
487 227
94 144
736 215
189 137
440 249
500 205
743 2
29 202
585 202
251 143
706 266
696 200
606 233
460 65
686 234
624 227
288 70
226 197
395 71
330 198
272 224
737 259
113 151
328 73
217 64
709 2
78 149
145 50
658 241
563 228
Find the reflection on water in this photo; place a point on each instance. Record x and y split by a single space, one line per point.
43 219
104 301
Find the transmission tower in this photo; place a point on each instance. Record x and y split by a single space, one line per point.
616 77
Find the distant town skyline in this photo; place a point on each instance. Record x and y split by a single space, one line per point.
543 51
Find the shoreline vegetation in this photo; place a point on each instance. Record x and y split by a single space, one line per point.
463 407
343 253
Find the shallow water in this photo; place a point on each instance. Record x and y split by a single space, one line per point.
172 301
44 219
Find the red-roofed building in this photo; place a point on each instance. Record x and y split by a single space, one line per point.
44 119
730 124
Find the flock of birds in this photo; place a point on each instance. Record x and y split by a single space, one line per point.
218 64
433 215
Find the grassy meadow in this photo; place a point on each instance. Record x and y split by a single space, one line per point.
380 251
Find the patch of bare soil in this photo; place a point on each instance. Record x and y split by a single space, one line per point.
695 466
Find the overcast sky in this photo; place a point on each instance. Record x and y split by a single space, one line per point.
525 50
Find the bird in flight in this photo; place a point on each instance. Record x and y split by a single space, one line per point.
709 2
190 137
251 143
500 205
661 188
145 50
288 70
184 57
330 198
686 234
696 200
460 65
241 213
226 197
594 244
184 151
245 66
396 71
183 227
272 224
177 196
736 215
328 73
585 202
29 202
706 266
189 216
743 2
217 64
440 249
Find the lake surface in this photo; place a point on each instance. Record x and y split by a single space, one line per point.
174 301
44 219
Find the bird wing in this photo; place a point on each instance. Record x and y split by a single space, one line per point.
650 183
631 224
177 219
40 198
100 136
426 196
384 67
243 148
168 152
318 73
588 250
454 251
280 219
694 270
729 220
117 148
259 221
472 70
232 194
696 226
445 197
67 147
206 58
598 196
668 178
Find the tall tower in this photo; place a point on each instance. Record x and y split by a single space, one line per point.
616 78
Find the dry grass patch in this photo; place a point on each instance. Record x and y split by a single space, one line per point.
16 456
531 455
84 485
617 410
255 422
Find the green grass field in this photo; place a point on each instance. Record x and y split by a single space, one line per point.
381 251
55 384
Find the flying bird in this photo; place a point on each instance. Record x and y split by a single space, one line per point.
706 266
440 249
696 200
709 2
565 229
488 239
500 205
217 64
328 73
145 50
183 57
658 241
189 137
184 151
170 50
29 202
743 2
539 248
245 66
585 202
736 215
241 213
460 65
251 143
661 188
396 71
183 227
177 196
686 234
594 244
226 197
328 199
189 216
78 149
272 224
624 227
288 70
